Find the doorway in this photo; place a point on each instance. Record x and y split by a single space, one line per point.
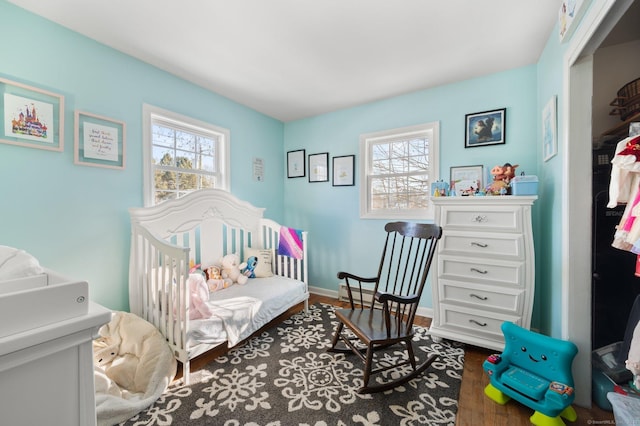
577 133
615 286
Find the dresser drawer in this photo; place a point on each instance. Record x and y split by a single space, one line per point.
480 218
483 297
482 244
482 271
470 321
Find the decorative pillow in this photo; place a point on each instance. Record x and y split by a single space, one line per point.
258 262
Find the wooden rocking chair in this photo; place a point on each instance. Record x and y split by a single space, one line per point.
406 258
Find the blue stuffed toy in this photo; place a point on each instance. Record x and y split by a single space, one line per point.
249 271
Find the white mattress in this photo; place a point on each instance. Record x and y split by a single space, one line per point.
240 310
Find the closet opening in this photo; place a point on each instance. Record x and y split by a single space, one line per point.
615 284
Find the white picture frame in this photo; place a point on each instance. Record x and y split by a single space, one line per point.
31 117
549 129
466 174
99 141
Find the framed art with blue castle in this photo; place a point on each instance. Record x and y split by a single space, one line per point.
32 117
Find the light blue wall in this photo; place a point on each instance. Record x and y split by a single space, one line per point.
74 219
549 268
339 239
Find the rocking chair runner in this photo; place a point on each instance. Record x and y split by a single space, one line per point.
404 266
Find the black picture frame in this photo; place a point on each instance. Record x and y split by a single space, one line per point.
319 167
343 170
485 128
296 164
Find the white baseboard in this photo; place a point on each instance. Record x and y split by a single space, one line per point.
422 311
425 312
323 292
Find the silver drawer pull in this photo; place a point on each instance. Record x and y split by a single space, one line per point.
478 297
480 271
477 244
480 218
481 324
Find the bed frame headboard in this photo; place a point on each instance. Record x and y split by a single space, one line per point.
211 222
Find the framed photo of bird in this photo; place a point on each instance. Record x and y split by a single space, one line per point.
485 128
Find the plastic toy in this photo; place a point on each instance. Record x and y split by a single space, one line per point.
535 370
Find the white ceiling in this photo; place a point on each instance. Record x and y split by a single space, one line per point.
291 59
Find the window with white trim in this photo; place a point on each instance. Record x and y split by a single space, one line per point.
397 168
181 155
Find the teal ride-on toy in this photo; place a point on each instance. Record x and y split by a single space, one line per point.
535 370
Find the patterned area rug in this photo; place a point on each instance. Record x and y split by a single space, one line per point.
285 376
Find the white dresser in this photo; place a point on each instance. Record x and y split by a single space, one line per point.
47 327
484 271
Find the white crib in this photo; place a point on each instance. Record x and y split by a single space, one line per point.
200 228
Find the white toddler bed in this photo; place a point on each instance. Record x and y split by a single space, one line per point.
200 228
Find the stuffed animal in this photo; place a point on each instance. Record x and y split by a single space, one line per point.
215 281
499 184
509 172
232 268
502 176
250 270
198 297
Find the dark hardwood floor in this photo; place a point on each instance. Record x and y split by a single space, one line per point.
474 408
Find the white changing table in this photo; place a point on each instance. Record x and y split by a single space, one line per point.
46 373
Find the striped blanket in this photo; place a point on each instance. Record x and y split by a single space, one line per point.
290 243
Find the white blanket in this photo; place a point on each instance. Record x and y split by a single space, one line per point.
133 367
240 310
235 317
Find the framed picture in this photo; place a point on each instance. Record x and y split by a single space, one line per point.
466 174
319 167
99 141
32 117
549 129
343 168
295 164
485 128
569 17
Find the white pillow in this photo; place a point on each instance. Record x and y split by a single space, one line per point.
16 263
262 267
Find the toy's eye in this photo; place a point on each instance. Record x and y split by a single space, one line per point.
544 357
523 349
